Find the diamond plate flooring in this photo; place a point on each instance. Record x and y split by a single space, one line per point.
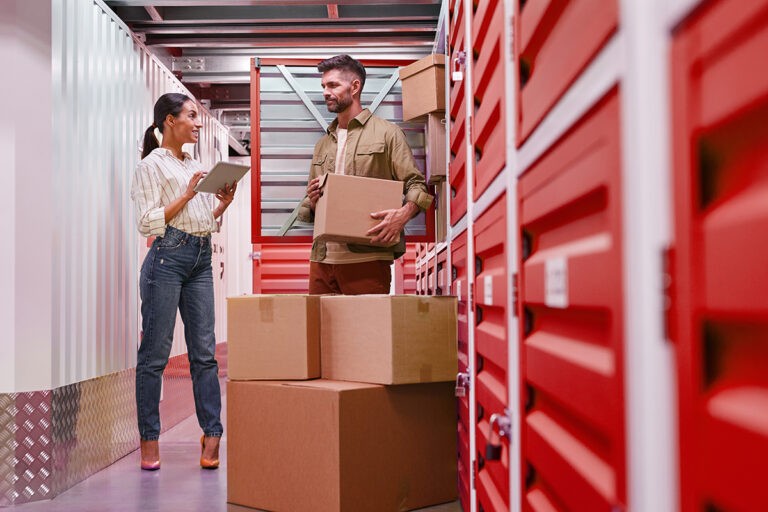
180 486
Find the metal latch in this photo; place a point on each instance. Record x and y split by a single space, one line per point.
255 256
462 384
503 424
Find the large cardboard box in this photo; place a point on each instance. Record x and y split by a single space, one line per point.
437 166
273 337
385 339
325 446
423 85
343 212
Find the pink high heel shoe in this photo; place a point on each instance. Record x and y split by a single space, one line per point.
150 455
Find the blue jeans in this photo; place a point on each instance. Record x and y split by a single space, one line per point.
177 274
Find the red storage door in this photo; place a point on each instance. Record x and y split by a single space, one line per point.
490 293
441 273
459 288
405 271
720 275
488 92
555 40
281 268
573 441
457 112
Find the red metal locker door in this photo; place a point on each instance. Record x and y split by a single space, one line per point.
720 276
555 41
571 289
460 290
457 112
441 274
282 268
488 92
491 346
405 271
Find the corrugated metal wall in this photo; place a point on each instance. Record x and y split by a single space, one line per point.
104 86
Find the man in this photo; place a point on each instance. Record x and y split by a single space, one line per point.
360 144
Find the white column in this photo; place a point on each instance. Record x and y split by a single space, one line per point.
646 175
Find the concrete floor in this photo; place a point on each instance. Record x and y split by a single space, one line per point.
180 486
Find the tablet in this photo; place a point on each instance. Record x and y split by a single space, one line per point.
221 174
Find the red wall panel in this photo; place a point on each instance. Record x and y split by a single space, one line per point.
572 321
719 317
283 268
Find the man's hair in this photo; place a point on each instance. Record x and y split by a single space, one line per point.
344 63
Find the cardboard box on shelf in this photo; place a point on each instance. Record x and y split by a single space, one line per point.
423 84
327 446
385 339
437 166
273 337
343 212
441 211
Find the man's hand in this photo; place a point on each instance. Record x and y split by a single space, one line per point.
313 192
388 230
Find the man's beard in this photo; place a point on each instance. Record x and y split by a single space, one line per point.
338 106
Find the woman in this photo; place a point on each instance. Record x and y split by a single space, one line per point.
176 274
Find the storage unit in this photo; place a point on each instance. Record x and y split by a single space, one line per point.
719 315
571 294
489 134
491 345
460 289
457 113
555 41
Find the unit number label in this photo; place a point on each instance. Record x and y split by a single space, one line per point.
488 291
556 282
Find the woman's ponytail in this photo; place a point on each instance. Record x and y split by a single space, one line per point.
150 141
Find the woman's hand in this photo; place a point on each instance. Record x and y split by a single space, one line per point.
225 196
190 192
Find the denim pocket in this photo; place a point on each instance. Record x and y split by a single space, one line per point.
170 241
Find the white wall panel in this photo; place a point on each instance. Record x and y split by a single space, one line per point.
76 123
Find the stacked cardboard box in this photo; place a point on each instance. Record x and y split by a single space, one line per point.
376 432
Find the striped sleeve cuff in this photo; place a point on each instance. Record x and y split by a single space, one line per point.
156 221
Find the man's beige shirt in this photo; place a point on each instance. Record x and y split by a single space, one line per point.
375 148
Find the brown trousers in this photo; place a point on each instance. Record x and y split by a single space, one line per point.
350 278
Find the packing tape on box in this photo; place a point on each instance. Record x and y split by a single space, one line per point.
266 309
423 306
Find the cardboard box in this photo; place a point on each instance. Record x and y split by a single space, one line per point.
441 211
325 446
423 84
273 337
343 212
385 339
437 166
